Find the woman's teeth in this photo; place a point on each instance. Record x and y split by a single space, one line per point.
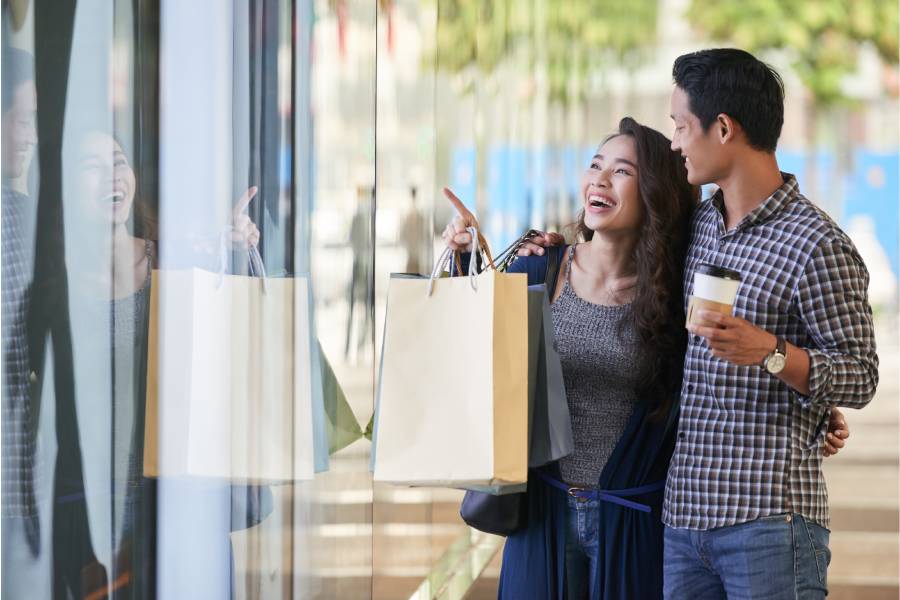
598 202
115 197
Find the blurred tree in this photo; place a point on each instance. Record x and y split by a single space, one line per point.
822 38
564 46
579 36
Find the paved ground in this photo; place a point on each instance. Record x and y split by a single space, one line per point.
359 539
864 494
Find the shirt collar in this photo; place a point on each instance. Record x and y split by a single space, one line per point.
772 205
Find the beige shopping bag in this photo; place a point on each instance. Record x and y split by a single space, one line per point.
453 394
230 383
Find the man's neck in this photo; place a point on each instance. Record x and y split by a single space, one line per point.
748 185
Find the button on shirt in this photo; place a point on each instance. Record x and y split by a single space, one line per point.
748 445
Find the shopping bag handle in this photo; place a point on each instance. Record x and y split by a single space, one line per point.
257 266
480 246
509 254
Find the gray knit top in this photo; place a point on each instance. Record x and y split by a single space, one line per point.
601 360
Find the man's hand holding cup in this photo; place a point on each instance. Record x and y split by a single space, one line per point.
730 338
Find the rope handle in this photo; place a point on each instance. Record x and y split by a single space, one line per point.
257 266
510 253
451 258
485 251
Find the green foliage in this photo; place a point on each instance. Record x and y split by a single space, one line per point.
822 37
568 38
573 38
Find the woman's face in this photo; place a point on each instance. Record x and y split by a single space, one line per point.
105 179
609 188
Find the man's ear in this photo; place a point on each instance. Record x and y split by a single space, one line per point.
726 128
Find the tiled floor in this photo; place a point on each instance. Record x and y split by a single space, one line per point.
354 548
864 493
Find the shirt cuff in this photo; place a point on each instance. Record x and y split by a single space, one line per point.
820 366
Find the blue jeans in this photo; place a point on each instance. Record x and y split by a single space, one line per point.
582 547
776 557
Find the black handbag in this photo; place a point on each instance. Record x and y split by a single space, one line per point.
500 515
505 514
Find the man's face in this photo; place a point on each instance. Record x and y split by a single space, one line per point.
704 155
19 132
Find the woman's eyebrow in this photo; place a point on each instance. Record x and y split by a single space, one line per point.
621 160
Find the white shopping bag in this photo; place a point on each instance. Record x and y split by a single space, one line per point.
453 394
233 384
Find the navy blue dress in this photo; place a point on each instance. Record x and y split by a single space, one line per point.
631 547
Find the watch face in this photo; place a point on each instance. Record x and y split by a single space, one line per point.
775 363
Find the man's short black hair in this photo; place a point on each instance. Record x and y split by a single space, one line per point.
18 68
736 83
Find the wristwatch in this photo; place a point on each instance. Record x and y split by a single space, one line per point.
775 361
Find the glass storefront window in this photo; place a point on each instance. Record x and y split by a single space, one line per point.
203 202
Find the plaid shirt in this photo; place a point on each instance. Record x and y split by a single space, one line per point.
18 440
748 445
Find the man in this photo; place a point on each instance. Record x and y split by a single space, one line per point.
746 509
19 509
25 568
746 506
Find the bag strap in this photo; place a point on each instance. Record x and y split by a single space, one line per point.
257 266
552 272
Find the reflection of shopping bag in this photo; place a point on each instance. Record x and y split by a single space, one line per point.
234 384
453 394
343 428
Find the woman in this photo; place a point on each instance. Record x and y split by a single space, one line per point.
110 257
619 320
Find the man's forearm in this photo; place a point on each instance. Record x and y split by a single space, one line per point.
849 382
796 369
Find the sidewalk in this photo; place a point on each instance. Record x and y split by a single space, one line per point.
864 494
864 490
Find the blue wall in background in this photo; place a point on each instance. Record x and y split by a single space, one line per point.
520 178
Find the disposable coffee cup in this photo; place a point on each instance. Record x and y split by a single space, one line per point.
715 289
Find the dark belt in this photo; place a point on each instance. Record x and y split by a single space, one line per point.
614 496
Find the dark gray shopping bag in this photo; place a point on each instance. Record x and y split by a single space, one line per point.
550 425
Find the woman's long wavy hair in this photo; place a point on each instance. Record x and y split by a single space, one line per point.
658 307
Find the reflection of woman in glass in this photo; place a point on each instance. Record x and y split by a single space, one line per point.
110 267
